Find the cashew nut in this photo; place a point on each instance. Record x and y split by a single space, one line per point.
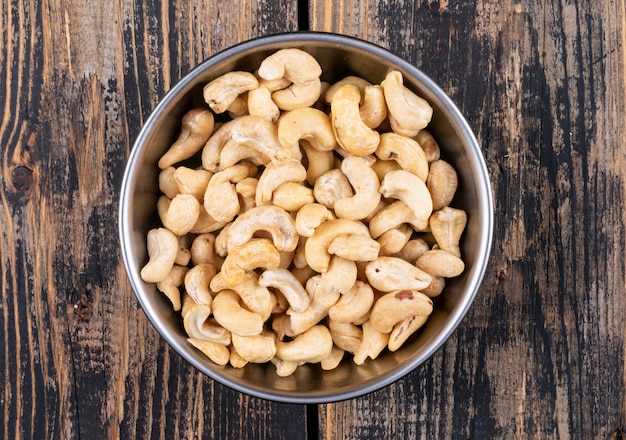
391 273
260 103
332 186
373 111
312 346
318 162
197 126
236 361
354 247
223 90
438 262
404 150
435 288
289 287
190 181
408 113
346 336
394 215
447 226
322 300
413 249
306 123
366 186
292 196
257 298
229 314
382 167
333 359
167 182
442 183
397 306
233 153
350 130
353 304
255 253
356 81
180 214
429 145
220 198
310 216
272 219
218 353
162 247
405 328
316 248
246 189
197 280
410 189
374 342
256 349
340 276
393 240
276 174
198 326
206 223
170 285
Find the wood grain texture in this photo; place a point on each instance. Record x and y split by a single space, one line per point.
541 352
77 80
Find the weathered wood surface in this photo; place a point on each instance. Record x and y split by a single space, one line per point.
541 353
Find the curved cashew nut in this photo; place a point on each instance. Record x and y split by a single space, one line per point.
197 325
373 111
333 360
257 298
276 174
447 226
272 219
354 247
366 186
410 189
340 276
312 346
220 198
404 150
353 304
180 214
332 186
356 81
442 183
429 145
252 131
350 130
318 162
435 287
391 273
440 263
394 215
229 314
206 224
260 103
255 253
171 284
322 300
292 196
197 280
197 126
246 189
224 90
397 306
408 113
191 181
233 153
167 182
306 123
346 336
255 349
162 247
413 249
236 361
310 216
405 328
374 342
394 240
382 167
316 248
218 353
289 287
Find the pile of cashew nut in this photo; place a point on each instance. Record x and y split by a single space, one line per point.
313 220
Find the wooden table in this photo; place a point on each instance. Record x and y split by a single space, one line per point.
541 354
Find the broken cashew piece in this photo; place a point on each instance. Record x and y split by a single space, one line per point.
318 162
289 287
397 306
222 92
197 126
229 314
350 130
272 219
312 346
405 328
162 247
410 189
408 113
366 186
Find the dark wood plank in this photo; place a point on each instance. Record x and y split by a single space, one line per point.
77 80
541 353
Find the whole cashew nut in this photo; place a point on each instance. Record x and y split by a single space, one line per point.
354 247
312 346
346 336
218 353
255 253
397 306
310 216
224 90
374 342
391 273
340 276
180 214
332 186
292 196
162 247
404 150
410 189
276 174
191 181
197 280
256 349
442 183
366 186
257 298
198 326
260 103
289 287
447 226
322 300
229 314
408 113
350 130
306 123
438 262
394 215
353 304
220 198
197 126
394 240
272 219
429 145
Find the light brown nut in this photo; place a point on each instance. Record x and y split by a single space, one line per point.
181 213
190 181
413 249
405 151
220 198
438 262
197 126
442 183
167 182
202 251
276 221
366 190
247 193
353 304
287 284
354 247
340 276
316 248
312 346
260 103
397 306
350 130
394 215
435 288
356 81
408 113
229 314
198 326
221 92
257 298
206 223
276 174
184 254
333 360
391 273
393 240
171 284
346 336
162 247
308 124
233 153
253 254
239 106
374 342
218 353
322 300
298 95
332 186
447 226
197 280
310 216
285 368
317 162
404 329
373 111
382 167
236 361
292 196
410 189
255 349
429 145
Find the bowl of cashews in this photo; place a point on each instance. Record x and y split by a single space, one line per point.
306 217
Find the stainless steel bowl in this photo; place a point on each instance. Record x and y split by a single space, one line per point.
339 56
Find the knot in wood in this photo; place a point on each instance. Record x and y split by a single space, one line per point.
22 179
